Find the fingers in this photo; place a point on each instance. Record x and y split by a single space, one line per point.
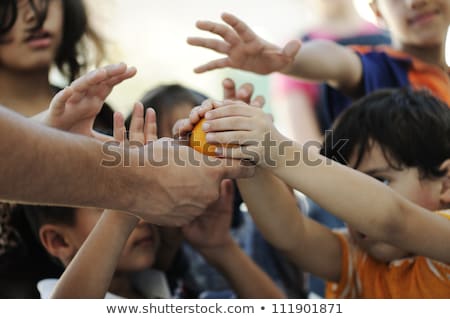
219 29
127 74
58 103
213 44
151 128
230 139
212 65
231 110
235 123
242 29
119 130
258 101
182 127
245 92
291 48
136 131
229 89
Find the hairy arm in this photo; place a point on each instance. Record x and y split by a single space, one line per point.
46 166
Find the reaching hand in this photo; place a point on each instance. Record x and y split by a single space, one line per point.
244 49
75 108
244 94
212 229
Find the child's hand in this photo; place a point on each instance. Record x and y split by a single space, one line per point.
244 94
247 132
244 49
142 130
211 231
75 108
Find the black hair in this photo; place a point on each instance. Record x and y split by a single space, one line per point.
412 127
72 57
165 98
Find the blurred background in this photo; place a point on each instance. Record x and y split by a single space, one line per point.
151 35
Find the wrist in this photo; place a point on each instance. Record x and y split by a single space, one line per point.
217 254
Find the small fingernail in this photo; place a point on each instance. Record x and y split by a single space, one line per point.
206 126
209 137
218 151
208 116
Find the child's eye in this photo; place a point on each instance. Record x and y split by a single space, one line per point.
384 180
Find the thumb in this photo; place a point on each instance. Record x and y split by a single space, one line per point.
58 103
290 50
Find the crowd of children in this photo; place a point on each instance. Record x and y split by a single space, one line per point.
384 167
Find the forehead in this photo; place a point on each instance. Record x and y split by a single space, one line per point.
373 158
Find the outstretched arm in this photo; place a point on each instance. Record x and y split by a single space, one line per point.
90 273
317 60
379 212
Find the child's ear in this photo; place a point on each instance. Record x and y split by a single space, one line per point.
445 192
54 239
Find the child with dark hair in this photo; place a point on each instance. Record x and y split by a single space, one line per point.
396 244
33 36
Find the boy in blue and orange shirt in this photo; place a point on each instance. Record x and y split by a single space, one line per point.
416 58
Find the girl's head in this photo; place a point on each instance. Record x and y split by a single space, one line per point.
401 138
171 103
419 23
36 33
62 231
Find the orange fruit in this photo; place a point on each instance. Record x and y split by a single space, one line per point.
197 140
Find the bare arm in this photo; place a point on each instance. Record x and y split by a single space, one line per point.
90 273
322 61
312 247
377 211
368 205
210 236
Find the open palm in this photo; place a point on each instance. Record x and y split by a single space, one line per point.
244 49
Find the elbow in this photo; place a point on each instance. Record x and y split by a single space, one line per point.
394 223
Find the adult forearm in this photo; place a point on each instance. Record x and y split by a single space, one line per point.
46 166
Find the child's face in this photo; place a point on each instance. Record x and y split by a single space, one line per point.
415 22
139 251
22 49
423 192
